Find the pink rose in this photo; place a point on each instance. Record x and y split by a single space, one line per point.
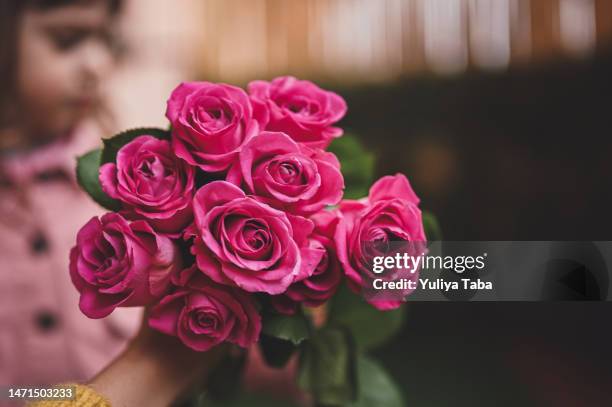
300 108
241 241
211 122
389 214
151 183
288 176
116 263
203 314
315 289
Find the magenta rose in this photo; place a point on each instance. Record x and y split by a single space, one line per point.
389 214
241 241
202 313
300 108
315 289
151 183
211 122
116 263
288 176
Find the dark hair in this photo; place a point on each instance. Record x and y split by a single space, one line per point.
10 16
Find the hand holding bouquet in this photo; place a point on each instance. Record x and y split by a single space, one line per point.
230 226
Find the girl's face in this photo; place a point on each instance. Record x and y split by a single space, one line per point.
64 53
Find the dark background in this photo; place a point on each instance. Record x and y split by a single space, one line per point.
519 155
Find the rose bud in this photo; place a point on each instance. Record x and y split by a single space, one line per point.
211 122
151 183
389 214
116 263
202 313
315 289
288 176
241 241
300 108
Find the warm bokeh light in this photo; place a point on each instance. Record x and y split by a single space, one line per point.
365 41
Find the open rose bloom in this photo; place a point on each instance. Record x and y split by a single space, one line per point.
233 214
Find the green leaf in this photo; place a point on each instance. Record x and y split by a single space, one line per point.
293 328
327 367
88 166
431 226
113 144
375 386
370 326
306 369
357 165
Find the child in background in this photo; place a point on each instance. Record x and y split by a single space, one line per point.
54 54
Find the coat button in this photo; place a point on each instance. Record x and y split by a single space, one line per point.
39 243
46 321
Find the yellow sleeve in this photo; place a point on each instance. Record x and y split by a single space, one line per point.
85 397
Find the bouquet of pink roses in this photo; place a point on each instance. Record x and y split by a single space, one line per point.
230 226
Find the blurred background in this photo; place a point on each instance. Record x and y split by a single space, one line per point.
497 110
485 104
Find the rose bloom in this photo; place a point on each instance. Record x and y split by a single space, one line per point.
241 241
151 183
202 313
211 122
389 214
116 263
300 108
315 289
288 176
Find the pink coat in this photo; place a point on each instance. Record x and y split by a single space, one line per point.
44 338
